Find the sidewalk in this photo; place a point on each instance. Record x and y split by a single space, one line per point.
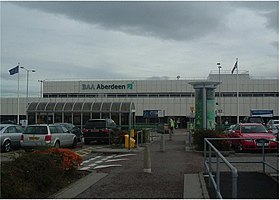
165 181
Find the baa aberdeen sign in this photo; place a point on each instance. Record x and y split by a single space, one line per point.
100 86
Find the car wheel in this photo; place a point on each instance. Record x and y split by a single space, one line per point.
7 146
74 144
238 148
56 145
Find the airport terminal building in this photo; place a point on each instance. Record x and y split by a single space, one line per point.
150 101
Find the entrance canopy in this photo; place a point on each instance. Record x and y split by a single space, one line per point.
121 107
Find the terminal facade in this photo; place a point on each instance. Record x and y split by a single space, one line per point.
152 100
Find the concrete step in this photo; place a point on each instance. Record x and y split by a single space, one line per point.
194 187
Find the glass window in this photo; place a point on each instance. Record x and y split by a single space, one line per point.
19 129
11 129
36 130
53 129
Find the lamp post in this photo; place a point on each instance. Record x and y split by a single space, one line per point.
41 90
27 77
219 111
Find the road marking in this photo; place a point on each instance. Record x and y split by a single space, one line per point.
106 166
116 160
84 168
124 155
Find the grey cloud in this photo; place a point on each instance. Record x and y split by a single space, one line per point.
166 20
267 9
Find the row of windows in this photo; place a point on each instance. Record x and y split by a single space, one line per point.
148 95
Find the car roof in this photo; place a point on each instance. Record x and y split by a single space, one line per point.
8 125
40 124
250 124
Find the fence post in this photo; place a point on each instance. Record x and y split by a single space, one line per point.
234 185
263 155
218 175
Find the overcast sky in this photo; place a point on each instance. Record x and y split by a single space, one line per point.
135 40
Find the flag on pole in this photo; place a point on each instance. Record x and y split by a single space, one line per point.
234 67
14 70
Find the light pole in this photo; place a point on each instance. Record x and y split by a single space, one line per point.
27 77
41 90
220 111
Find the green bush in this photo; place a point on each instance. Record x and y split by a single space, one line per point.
200 134
35 175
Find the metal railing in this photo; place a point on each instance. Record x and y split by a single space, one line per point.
209 170
208 162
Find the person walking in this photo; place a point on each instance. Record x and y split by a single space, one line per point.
171 125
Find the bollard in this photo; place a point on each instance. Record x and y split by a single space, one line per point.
170 135
147 159
162 143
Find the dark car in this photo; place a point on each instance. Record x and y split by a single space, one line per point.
73 129
98 130
253 119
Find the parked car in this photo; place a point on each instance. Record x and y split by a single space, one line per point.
51 135
229 129
10 135
73 129
253 119
253 134
272 122
98 130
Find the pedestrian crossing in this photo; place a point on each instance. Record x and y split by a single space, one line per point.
102 161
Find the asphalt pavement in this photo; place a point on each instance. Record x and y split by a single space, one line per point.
165 181
175 174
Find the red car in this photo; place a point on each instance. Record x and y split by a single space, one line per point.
255 134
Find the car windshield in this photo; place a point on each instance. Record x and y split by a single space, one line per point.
253 129
255 120
1 127
96 124
36 130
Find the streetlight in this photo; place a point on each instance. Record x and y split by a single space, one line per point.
41 90
220 111
27 76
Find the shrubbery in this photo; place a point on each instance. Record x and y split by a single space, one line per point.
38 174
200 134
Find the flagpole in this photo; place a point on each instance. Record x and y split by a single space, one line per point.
18 97
237 88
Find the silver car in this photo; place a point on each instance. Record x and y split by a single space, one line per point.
10 135
51 135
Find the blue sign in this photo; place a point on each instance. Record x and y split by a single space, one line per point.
262 113
150 113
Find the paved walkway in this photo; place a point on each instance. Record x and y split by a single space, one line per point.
166 179
175 174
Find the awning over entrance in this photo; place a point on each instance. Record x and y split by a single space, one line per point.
120 107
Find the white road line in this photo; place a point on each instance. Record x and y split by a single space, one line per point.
106 166
116 160
124 155
95 158
84 168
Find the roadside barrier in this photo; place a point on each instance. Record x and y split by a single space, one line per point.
214 176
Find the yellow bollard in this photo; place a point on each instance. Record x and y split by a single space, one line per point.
132 133
132 142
